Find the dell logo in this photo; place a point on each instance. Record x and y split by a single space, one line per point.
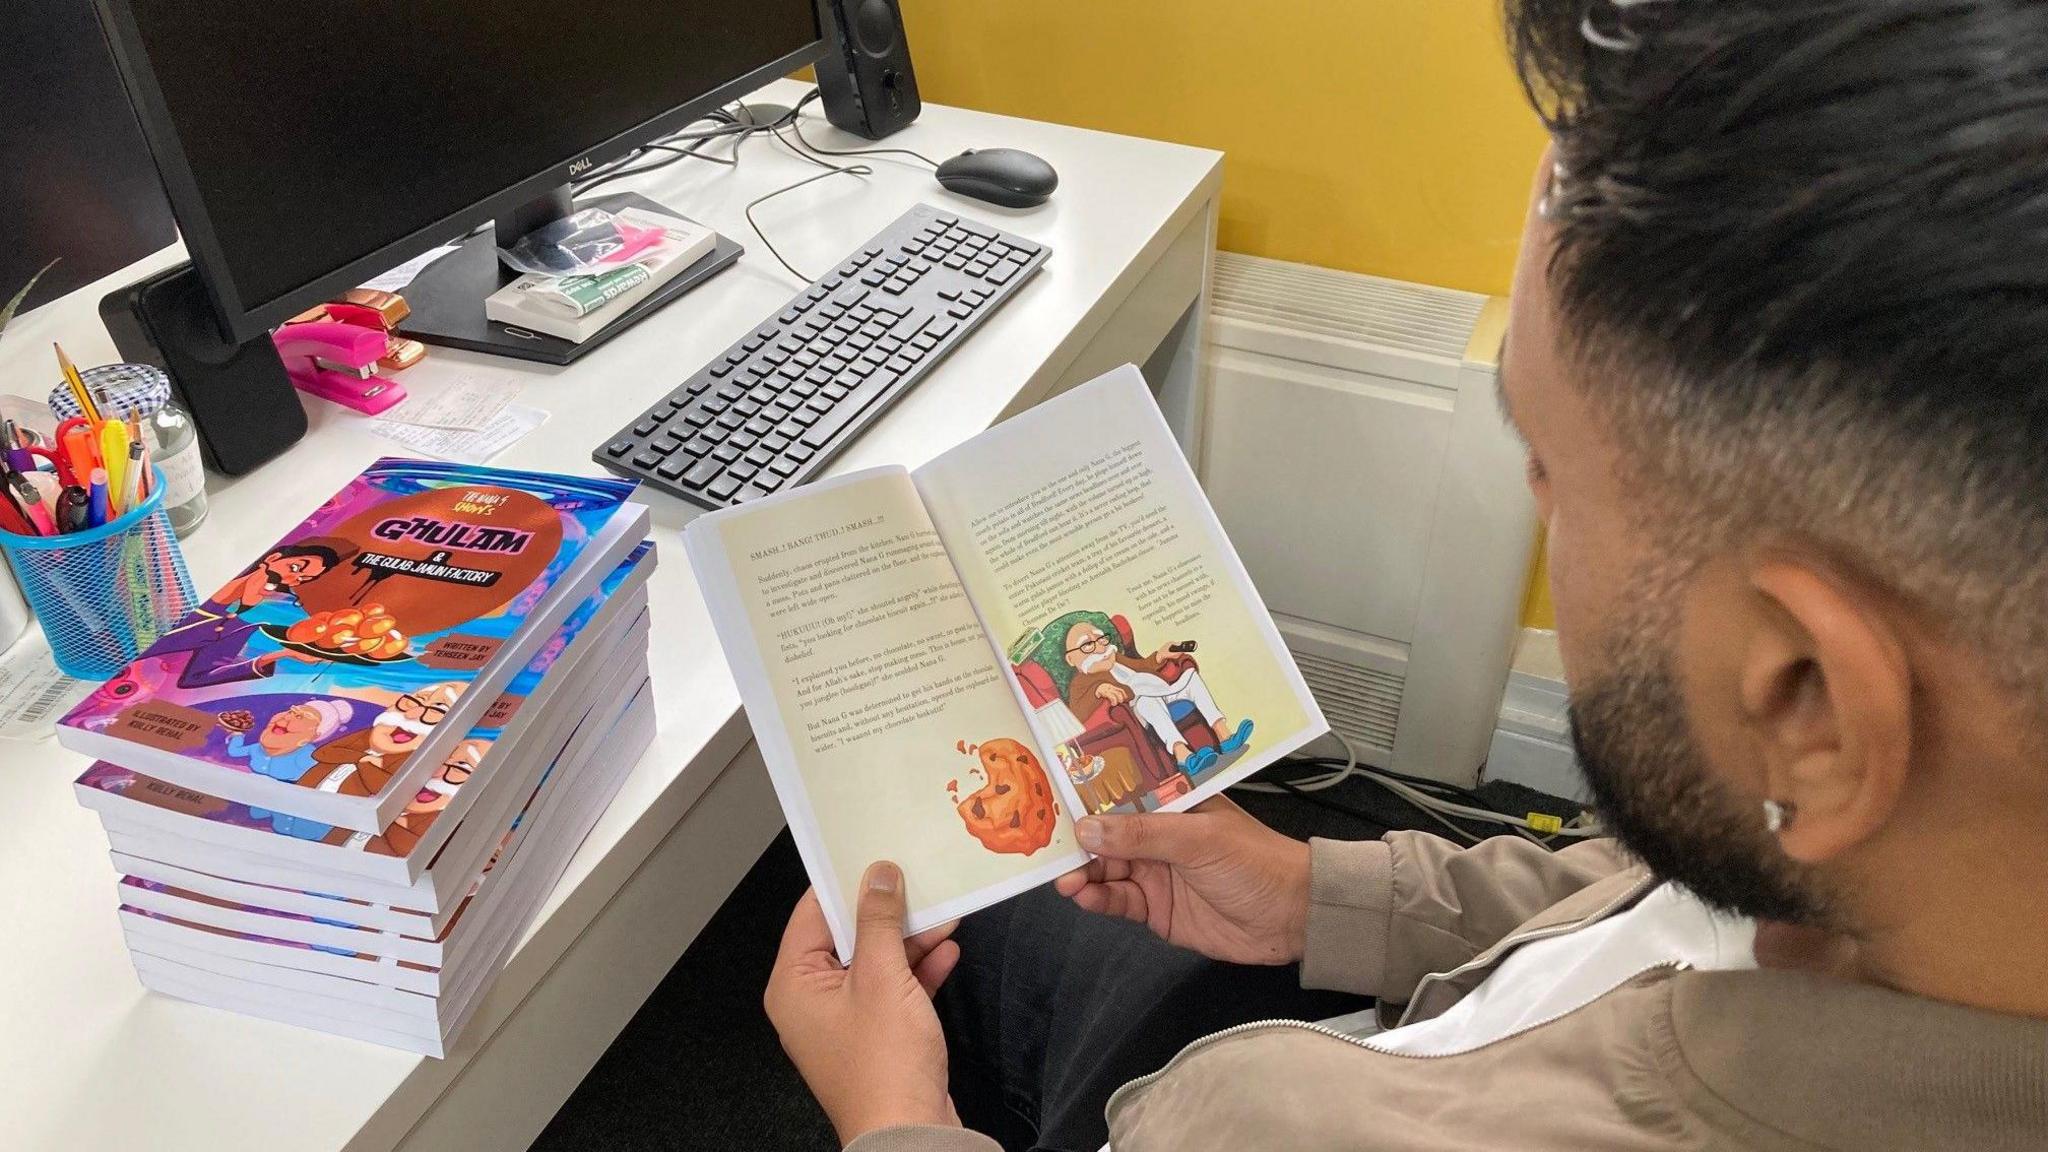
579 167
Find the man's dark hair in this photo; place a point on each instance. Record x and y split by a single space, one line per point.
1802 266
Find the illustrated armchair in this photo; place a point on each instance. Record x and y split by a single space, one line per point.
1044 674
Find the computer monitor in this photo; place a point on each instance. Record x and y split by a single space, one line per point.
76 182
308 148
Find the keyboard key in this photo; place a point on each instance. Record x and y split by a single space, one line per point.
941 328
741 471
821 433
730 419
701 473
721 369
959 312
1002 273
618 448
729 392
774 442
672 468
783 466
820 404
667 445
835 391
722 487
725 453
646 460
754 491
758 457
955 261
644 428
949 293
758 426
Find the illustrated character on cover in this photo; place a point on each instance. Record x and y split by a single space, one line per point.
361 763
218 638
460 763
1151 685
283 750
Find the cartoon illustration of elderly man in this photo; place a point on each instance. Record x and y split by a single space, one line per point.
455 770
283 750
361 763
1103 672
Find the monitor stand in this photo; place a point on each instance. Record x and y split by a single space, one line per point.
447 297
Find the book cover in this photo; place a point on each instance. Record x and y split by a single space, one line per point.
467 766
329 660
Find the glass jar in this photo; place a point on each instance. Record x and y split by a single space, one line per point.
143 391
174 447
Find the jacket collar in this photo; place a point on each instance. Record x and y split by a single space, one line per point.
1854 1066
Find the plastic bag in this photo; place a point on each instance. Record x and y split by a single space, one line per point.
586 242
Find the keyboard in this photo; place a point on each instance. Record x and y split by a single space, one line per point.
771 411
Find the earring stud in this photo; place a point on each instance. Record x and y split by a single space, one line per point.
1778 815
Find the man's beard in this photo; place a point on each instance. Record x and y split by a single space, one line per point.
1655 792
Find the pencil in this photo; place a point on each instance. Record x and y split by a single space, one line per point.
86 407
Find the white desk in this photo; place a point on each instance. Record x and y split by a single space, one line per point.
89 1061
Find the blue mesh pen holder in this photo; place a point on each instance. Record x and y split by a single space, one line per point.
104 594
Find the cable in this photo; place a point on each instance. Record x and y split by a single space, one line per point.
835 170
1420 793
796 125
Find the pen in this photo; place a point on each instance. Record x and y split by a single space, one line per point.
74 509
31 505
131 478
11 519
46 489
100 513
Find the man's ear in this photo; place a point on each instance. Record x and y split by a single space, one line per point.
1827 691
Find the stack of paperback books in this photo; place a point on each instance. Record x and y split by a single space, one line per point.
339 791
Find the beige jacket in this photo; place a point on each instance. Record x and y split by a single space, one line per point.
1700 1061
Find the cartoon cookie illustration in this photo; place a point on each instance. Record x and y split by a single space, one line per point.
1015 812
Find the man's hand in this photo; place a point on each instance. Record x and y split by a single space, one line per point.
1212 879
1114 693
864 1037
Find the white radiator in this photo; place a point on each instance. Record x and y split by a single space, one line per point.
1353 445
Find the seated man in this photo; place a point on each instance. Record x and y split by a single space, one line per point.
1104 674
1779 348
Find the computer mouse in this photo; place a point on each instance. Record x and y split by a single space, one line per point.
1002 176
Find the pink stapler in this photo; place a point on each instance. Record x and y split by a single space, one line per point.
338 362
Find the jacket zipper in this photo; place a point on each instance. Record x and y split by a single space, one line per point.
1197 1045
1501 947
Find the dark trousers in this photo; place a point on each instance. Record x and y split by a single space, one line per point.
1052 1009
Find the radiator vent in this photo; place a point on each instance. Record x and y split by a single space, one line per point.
1362 703
1390 314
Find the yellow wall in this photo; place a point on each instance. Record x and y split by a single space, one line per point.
1381 136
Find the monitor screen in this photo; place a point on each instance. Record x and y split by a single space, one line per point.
316 135
77 184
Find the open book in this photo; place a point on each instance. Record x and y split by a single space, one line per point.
942 667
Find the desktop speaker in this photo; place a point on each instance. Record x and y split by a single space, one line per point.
242 402
865 79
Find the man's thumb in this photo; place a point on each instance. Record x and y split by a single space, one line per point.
878 923
1162 836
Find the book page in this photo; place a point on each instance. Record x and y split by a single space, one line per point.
1147 663
887 723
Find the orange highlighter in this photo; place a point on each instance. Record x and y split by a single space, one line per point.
80 453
